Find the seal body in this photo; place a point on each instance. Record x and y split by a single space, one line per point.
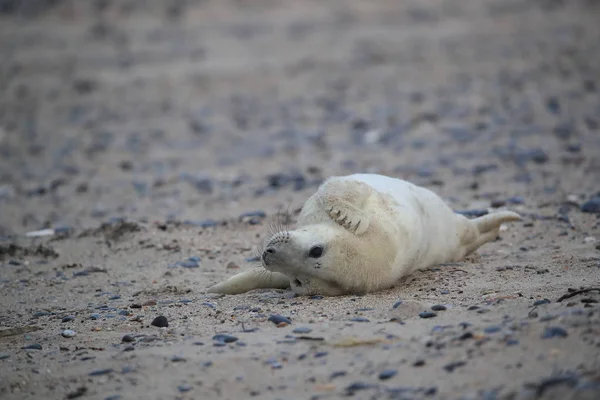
362 233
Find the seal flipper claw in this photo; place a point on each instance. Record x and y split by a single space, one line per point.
344 201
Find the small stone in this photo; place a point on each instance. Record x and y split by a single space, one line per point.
277 319
34 346
222 337
127 339
302 330
337 374
4 356
541 302
356 386
40 314
419 363
397 304
452 366
438 307
99 372
178 359
68 333
68 318
147 304
80 391
359 319
183 388
321 354
427 314
160 321
492 329
554 332
387 374
591 206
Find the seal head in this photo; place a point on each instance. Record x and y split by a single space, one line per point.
306 256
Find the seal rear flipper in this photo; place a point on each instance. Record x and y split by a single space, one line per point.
492 222
256 278
485 229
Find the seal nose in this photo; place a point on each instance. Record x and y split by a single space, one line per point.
267 252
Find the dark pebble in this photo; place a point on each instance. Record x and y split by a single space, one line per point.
99 372
359 319
222 337
444 291
397 304
337 374
554 332
387 374
492 329
541 302
183 388
4 356
356 386
277 319
438 307
321 354
178 359
473 213
80 391
127 339
427 314
591 206
452 366
316 297
95 316
68 318
34 346
419 363
512 342
40 314
160 321
471 308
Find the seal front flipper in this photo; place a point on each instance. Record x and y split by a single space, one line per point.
256 278
343 200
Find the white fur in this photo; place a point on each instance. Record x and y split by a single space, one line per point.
375 229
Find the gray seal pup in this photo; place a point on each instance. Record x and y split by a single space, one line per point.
362 233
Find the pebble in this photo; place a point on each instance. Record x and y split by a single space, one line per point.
302 330
224 338
40 314
127 339
473 213
99 372
356 386
183 388
438 307
359 319
492 329
387 374
34 346
427 314
4 356
321 354
160 321
278 319
68 333
337 374
541 302
554 332
591 206
452 366
419 363
68 318
397 304
178 359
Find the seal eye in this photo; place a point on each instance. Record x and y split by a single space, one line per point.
316 252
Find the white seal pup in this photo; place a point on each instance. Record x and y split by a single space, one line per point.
362 233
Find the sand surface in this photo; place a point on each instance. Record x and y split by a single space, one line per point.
158 140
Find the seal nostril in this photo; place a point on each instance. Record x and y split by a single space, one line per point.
270 251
